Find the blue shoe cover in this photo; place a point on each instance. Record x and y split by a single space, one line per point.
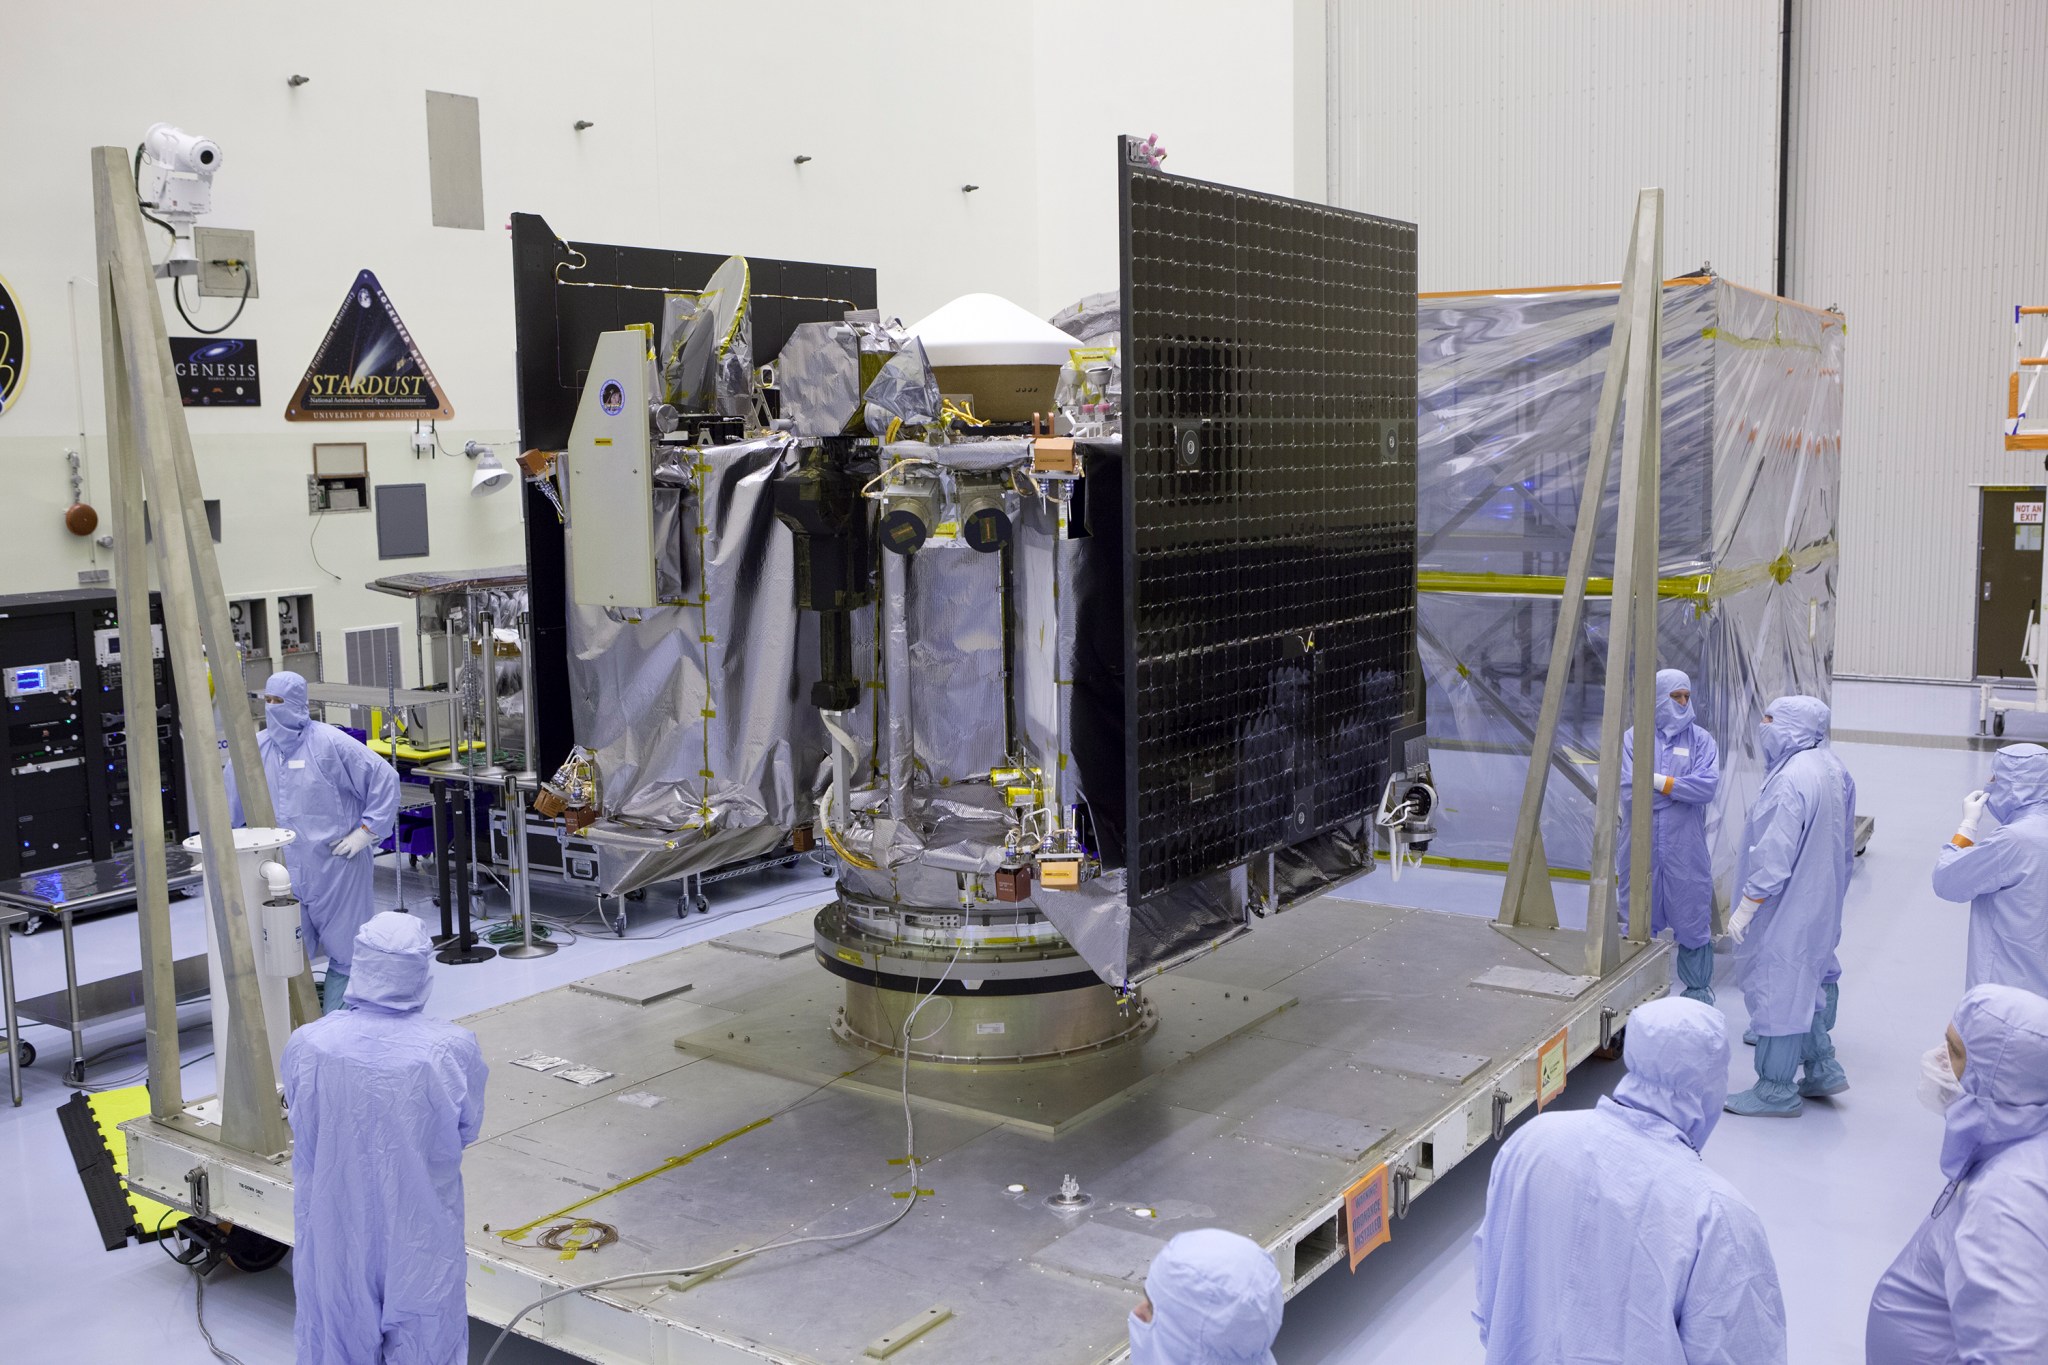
1757 1103
1827 1079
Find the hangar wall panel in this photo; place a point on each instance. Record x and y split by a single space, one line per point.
1516 135
1918 199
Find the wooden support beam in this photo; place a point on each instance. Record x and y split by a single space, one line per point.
1526 901
142 404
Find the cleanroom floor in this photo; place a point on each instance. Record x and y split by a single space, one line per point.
1839 1189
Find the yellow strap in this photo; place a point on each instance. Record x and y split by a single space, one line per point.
1700 589
1696 587
1565 874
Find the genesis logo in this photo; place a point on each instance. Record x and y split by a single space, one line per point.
217 372
13 347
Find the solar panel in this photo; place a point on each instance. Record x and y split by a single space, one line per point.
1269 517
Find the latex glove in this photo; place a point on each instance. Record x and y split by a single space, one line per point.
1738 923
352 843
1662 782
1973 813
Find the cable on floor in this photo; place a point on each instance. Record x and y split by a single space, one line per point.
198 1294
909 1197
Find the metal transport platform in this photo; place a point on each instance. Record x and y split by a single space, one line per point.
1282 1067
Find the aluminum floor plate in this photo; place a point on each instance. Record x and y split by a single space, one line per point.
788 1030
753 1141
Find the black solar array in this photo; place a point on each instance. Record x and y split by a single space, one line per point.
1269 400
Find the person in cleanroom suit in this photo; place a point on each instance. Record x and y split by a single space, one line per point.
339 798
2004 874
382 1101
1211 1298
1792 878
1685 772
1607 1238
1972 1284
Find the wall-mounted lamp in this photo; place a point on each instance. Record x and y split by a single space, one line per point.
969 189
295 81
491 474
801 159
583 123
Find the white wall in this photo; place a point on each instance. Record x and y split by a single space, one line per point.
1215 79
1516 135
1919 132
699 113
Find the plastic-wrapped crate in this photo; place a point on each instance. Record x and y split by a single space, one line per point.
1751 461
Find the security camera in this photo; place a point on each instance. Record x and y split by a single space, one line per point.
174 180
180 150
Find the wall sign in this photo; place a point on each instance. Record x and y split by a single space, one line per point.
2027 512
367 367
216 372
13 347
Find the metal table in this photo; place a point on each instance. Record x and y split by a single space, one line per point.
62 894
370 695
9 917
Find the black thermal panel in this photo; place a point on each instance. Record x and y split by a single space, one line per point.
564 294
1269 517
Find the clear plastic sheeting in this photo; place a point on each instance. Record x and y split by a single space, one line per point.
706 754
1751 452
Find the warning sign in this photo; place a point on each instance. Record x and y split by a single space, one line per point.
367 366
1365 1215
1551 1065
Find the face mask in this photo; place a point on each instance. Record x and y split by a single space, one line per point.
2001 805
1773 741
1141 1341
1671 717
1939 1087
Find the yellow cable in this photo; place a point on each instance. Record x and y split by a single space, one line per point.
842 850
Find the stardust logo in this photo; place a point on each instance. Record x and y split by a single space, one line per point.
367 366
217 372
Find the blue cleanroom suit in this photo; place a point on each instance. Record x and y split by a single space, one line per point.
1792 878
2004 875
382 1101
339 798
1687 766
1606 1238
1216 1300
1972 1284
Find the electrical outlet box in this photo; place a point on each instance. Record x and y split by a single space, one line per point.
212 244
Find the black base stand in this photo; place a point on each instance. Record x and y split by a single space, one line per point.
452 826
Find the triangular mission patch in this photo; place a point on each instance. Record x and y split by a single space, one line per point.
367 366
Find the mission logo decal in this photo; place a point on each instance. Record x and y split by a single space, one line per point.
216 372
367 367
13 347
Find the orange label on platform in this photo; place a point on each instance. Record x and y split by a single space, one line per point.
1551 1065
1365 1215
